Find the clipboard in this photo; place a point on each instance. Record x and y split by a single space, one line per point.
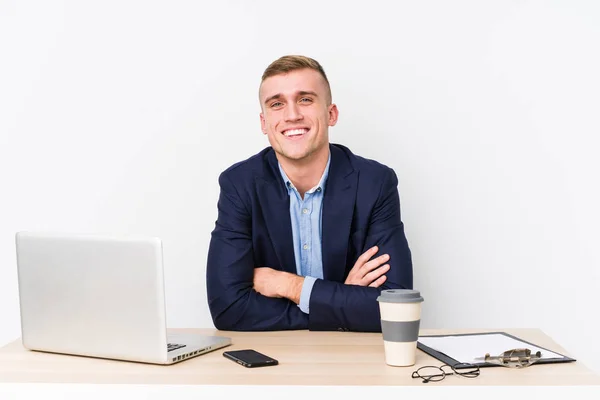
448 359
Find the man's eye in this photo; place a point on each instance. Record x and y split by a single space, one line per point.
306 100
276 104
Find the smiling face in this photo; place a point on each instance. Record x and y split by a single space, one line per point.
297 114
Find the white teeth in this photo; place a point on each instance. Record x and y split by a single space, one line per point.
295 132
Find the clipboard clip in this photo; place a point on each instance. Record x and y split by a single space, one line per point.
515 358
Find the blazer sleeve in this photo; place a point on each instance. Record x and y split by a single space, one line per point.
233 303
337 306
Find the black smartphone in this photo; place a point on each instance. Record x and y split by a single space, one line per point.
250 358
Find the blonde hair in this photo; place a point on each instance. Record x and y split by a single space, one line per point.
290 63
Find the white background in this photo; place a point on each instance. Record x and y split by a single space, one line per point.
118 116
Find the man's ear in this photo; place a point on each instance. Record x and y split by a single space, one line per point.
333 114
263 124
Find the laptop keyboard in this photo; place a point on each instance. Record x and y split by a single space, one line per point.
173 346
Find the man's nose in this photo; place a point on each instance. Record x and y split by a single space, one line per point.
292 112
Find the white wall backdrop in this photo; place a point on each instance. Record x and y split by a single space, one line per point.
118 116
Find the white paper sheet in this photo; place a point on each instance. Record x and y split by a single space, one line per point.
468 349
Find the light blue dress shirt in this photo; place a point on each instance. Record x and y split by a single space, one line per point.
307 216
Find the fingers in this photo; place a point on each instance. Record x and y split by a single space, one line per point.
371 265
366 256
376 274
379 281
368 271
364 263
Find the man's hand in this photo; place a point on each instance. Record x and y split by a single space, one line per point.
273 283
369 273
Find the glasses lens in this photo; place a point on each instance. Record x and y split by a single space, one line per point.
466 370
430 374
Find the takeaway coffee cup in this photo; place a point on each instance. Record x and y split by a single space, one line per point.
400 319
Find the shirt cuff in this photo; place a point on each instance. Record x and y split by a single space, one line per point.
307 287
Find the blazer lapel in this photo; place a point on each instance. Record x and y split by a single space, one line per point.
275 205
338 210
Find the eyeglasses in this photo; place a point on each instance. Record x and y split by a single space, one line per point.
436 374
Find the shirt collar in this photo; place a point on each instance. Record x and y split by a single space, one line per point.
320 186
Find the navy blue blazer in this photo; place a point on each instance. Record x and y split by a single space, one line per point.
361 209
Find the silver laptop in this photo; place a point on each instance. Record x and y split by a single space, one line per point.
99 296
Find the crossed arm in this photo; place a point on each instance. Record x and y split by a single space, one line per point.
367 271
242 297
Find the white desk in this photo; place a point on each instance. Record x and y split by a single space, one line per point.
323 364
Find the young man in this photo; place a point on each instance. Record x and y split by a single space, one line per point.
308 233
